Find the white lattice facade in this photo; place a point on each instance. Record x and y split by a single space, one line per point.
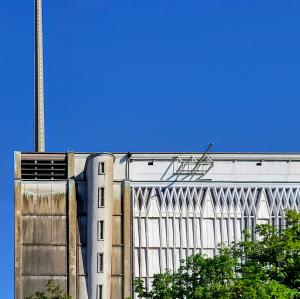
173 222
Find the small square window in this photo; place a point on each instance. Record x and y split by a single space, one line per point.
101 197
101 168
100 230
99 262
99 291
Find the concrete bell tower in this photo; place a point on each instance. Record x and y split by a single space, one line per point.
39 117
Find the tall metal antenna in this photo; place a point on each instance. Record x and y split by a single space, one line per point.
39 117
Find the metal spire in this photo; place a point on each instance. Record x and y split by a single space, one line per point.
39 118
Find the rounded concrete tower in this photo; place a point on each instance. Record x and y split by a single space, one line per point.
99 173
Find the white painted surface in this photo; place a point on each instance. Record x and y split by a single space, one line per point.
221 171
175 215
96 180
227 167
172 222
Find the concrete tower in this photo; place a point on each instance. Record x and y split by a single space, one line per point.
39 119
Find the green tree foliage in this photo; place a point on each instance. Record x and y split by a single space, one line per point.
53 291
265 268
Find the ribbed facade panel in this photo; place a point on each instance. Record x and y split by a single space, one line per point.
171 223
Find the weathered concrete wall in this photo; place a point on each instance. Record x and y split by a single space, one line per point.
43 231
117 245
127 237
121 281
45 228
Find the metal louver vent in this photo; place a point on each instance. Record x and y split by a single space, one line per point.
44 167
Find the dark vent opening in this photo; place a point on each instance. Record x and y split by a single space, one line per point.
44 169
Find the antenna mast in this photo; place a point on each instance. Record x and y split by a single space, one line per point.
39 117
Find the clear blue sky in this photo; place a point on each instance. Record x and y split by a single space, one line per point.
148 76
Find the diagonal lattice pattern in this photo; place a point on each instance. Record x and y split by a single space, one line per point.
171 223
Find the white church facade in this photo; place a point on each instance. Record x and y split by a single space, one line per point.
128 215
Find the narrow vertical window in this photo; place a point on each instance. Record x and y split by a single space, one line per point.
99 291
101 168
100 230
100 197
99 262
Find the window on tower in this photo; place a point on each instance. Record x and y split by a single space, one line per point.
101 197
101 168
100 230
99 292
99 262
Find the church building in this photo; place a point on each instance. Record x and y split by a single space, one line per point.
96 221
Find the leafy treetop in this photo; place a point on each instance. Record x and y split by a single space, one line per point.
267 267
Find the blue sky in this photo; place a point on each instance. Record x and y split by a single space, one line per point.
148 76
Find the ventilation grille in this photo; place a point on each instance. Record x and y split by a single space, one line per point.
47 168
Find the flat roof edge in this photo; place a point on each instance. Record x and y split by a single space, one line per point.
169 153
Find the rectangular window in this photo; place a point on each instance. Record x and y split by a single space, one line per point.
100 230
99 262
99 291
100 197
101 168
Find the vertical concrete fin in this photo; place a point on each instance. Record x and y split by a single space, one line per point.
72 242
70 159
127 239
18 241
17 165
